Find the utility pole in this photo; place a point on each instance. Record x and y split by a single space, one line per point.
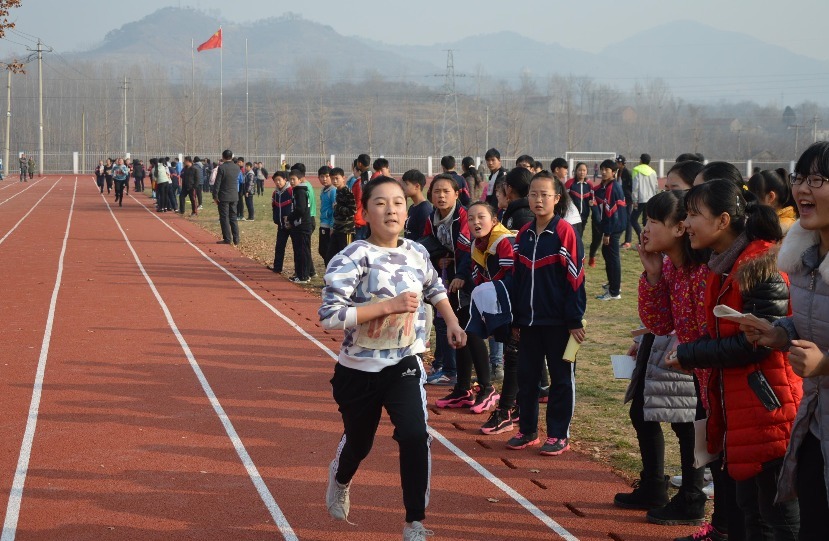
125 115
83 139
8 119
40 100
451 139
486 146
247 105
796 128
815 121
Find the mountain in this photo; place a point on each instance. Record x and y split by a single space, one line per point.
278 48
698 62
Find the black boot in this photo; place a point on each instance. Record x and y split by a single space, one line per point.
686 507
647 494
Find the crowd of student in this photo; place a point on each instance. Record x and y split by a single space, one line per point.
509 267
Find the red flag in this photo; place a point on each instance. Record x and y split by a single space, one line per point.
215 42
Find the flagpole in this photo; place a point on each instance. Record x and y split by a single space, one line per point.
221 90
247 105
193 90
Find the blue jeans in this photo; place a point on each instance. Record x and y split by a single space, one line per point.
496 353
444 354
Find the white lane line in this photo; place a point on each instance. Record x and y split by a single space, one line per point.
267 498
489 476
30 211
32 185
16 493
15 183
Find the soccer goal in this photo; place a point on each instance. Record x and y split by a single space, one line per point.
590 158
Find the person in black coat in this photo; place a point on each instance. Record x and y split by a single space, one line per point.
518 212
190 179
226 194
301 227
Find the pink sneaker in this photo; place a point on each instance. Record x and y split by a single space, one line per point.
485 400
456 399
555 446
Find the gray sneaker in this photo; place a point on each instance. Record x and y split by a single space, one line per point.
336 496
416 532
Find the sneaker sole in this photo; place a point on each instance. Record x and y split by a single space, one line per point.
638 507
501 430
524 446
486 405
555 453
675 522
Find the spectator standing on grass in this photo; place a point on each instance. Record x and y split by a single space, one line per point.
249 189
260 179
472 176
447 163
671 290
418 214
381 168
611 202
225 193
754 394
559 168
328 195
773 190
383 283
581 194
282 204
312 201
681 176
625 180
363 178
496 175
644 185
806 336
301 226
203 174
190 179
548 303
344 209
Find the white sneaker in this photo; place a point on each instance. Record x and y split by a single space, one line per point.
606 296
336 496
676 480
416 532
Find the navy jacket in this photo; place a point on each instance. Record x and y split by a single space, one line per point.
300 216
282 203
463 246
547 282
611 201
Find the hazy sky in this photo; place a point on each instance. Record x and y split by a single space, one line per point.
798 25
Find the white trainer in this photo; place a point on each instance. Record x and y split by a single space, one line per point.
416 532
336 496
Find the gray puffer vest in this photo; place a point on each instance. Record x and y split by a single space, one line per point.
670 396
810 315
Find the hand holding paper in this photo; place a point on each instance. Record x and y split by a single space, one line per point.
750 320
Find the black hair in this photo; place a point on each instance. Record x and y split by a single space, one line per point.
687 171
579 164
770 181
337 171
669 208
299 167
196 160
525 158
447 177
324 170
723 170
558 162
814 159
296 173
724 196
363 159
563 204
538 165
281 174
414 176
690 157
188 159
519 178
380 163
448 162
354 164
645 158
487 206
608 164
248 164
153 161
467 162
492 153
378 181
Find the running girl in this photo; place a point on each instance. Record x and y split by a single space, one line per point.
548 303
375 290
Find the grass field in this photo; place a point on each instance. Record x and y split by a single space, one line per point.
601 427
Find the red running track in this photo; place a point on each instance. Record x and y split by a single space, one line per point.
169 388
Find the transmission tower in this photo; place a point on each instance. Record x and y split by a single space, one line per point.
451 139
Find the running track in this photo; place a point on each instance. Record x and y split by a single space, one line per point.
155 385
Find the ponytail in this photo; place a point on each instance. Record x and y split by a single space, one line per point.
762 223
758 222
